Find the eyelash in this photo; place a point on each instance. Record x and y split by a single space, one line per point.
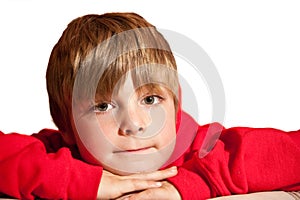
157 99
96 107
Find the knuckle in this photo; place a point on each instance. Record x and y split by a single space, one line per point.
153 175
136 184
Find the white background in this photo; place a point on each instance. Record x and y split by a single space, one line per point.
255 46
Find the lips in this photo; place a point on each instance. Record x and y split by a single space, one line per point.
138 150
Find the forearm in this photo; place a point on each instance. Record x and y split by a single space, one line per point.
244 160
27 171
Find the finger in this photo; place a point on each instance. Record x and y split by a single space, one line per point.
133 185
157 175
125 197
107 173
166 191
146 194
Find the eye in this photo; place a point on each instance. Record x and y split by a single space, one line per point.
102 107
151 100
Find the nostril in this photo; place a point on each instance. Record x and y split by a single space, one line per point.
128 132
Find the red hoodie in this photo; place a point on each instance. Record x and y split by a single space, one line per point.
240 160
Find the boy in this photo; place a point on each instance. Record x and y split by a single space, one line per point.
114 95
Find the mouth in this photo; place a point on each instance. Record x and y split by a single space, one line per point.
144 150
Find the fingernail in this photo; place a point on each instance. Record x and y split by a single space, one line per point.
173 169
157 184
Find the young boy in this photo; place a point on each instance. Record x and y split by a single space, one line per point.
115 98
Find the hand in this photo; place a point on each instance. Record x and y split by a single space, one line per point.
113 186
166 191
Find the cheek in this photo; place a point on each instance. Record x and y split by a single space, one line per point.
168 133
109 128
93 141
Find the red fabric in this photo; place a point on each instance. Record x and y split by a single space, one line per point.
243 160
27 170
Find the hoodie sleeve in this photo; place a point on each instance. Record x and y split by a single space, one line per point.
27 171
243 160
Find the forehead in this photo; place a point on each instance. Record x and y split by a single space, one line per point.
147 60
130 85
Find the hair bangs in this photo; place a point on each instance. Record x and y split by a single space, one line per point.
146 67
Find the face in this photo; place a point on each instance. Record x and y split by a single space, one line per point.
129 132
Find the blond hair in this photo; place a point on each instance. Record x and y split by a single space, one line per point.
86 48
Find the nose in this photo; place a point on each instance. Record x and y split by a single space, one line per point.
132 121
133 130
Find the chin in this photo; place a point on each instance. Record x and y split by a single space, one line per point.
136 163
